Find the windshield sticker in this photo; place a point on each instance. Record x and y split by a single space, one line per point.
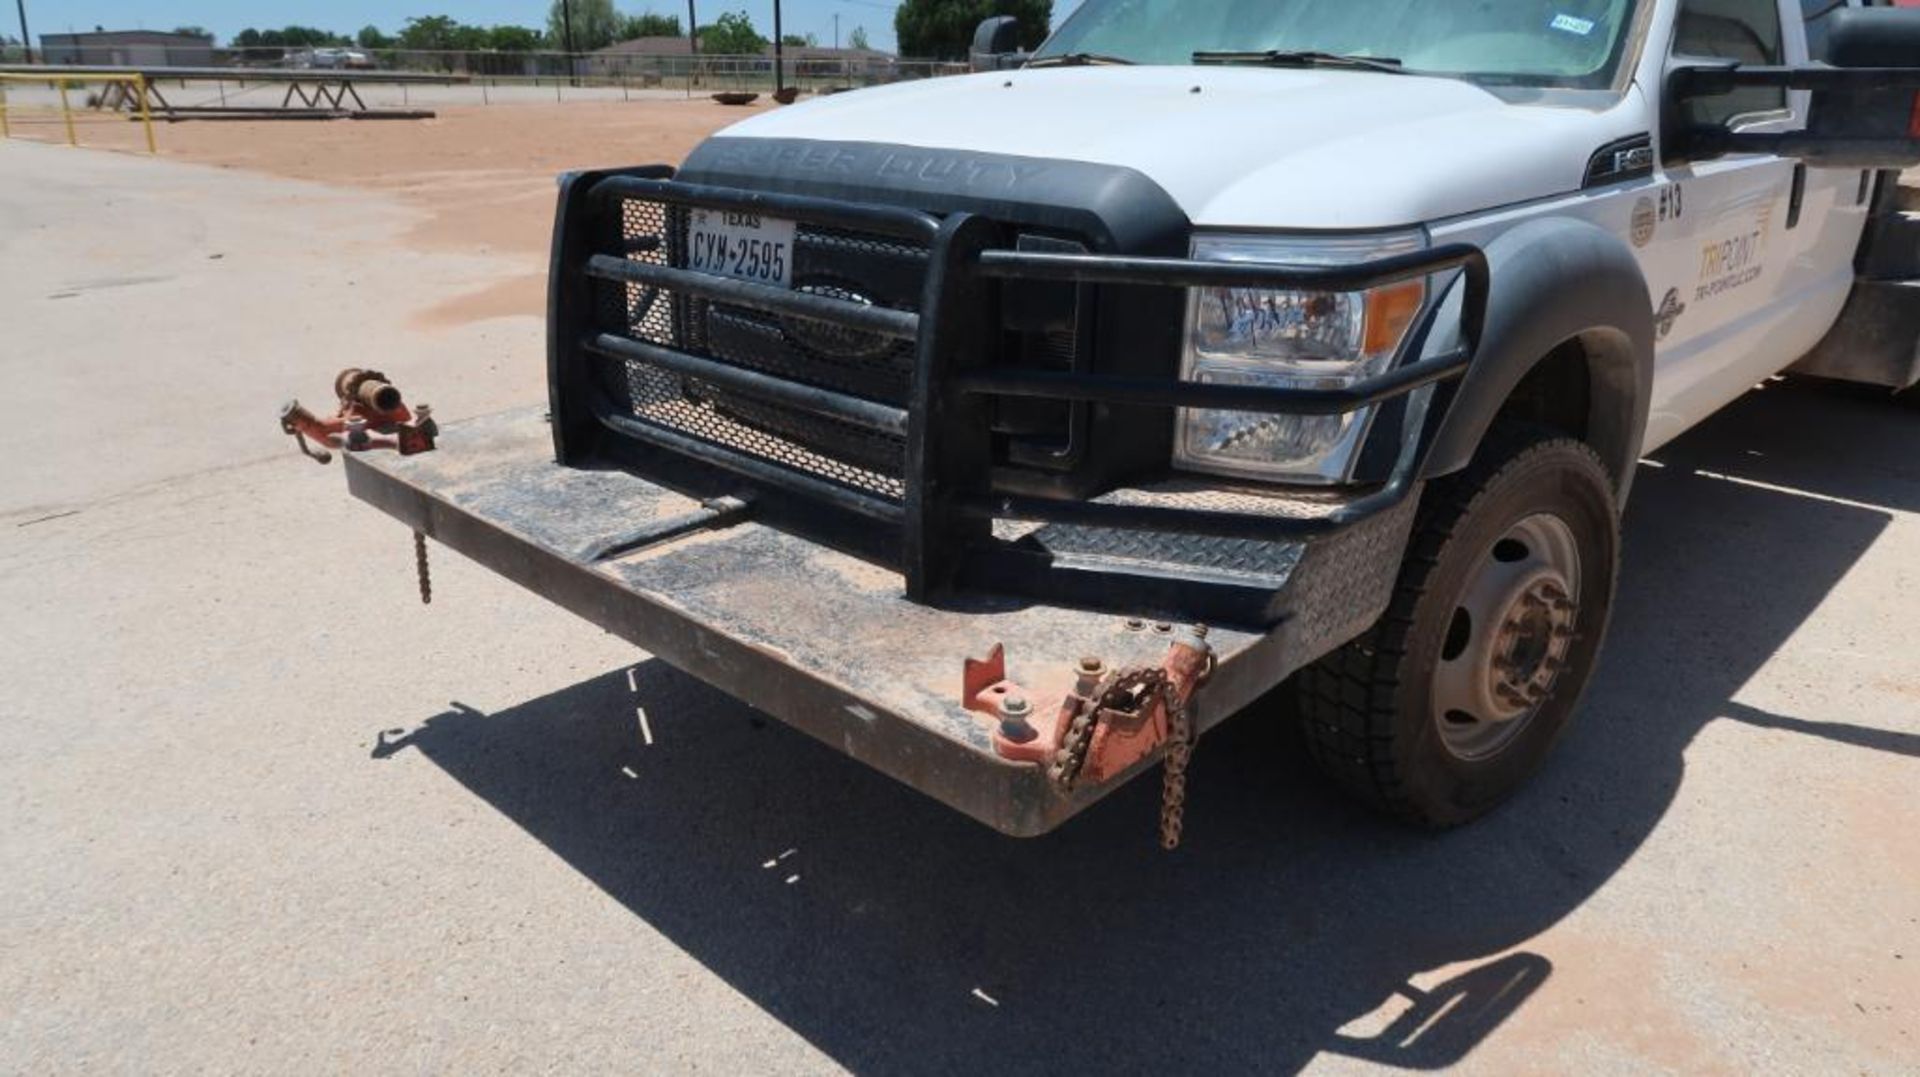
1572 25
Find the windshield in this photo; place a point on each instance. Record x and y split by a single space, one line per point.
1571 43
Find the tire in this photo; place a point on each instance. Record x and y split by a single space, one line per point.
1409 717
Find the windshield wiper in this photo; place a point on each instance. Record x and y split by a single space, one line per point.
1080 59
1302 58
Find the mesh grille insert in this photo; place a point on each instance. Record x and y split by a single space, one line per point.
849 266
686 406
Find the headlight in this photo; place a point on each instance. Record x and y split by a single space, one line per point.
1305 340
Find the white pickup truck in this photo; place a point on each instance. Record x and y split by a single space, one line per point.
935 419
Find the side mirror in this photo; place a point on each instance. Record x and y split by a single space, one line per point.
1865 110
996 44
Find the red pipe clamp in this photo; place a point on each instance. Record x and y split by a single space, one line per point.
371 415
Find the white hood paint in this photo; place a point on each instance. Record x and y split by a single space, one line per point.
1245 147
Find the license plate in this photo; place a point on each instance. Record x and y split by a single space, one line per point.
730 243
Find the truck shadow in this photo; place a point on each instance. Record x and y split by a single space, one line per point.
895 935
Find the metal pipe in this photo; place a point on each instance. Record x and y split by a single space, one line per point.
26 38
1110 269
865 414
779 56
1160 392
66 112
911 225
751 467
146 116
884 321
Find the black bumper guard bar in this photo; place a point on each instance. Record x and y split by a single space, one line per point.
948 508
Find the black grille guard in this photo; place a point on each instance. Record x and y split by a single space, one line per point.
948 504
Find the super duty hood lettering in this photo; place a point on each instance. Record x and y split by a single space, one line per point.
947 170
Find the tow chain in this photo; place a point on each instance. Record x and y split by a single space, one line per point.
1173 781
1128 693
420 571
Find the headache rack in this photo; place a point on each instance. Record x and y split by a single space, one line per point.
892 427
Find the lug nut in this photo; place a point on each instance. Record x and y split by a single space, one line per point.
1135 624
1163 628
1092 665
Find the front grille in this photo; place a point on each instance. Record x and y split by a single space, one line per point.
837 263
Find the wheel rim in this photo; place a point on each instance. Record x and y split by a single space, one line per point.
1508 639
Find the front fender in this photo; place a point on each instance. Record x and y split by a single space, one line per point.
1555 281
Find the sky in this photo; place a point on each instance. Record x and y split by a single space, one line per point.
228 17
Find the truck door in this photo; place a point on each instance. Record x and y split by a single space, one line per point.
1717 264
1828 207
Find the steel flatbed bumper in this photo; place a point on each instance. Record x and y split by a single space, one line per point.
817 638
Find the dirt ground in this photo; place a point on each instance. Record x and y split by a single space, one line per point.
261 811
481 178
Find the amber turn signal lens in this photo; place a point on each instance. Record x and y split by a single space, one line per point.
1390 312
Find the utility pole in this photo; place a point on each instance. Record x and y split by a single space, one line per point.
26 39
836 31
779 46
694 45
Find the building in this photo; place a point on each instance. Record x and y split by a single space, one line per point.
647 60
127 48
819 61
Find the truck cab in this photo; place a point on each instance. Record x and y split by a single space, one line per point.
1009 430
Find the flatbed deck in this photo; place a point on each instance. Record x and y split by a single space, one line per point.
816 638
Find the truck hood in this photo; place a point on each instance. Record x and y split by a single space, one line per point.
1245 147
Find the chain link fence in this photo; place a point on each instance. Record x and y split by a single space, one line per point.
609 72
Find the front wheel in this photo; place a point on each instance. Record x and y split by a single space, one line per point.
1453 700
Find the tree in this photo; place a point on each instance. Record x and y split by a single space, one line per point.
799 41
858 39
513 39
595 24
648 24
732 34
470 38
308 37
943 29
371 37
430 33
193 31
290 37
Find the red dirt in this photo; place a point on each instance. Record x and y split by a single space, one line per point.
481 177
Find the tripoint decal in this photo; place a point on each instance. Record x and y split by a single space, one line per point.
1735 261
